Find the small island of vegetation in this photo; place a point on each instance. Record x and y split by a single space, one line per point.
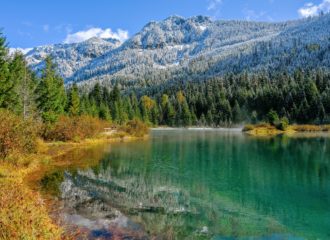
275 125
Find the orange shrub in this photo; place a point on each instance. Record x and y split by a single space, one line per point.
74 128
135 128
17 136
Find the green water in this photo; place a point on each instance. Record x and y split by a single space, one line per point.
189 184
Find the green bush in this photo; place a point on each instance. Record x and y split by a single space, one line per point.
283 124
17 136
272 117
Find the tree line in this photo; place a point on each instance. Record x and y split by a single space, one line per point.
301 97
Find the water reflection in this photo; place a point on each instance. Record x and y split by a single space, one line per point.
203 184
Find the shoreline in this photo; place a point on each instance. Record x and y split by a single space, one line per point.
259 130
19 188
233 129
24 211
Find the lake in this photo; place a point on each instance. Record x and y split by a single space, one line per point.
198 184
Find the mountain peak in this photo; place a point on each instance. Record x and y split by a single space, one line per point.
190 44
175 19
172 31
201 19
99 40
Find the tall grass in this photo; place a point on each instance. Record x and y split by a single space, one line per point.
23 214
311 128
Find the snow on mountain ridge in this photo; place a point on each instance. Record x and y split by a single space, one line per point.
176 44
70 57
162 44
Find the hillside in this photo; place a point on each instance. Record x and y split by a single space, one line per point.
69 58
194 48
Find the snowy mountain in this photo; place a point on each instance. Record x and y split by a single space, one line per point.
179 48
71 57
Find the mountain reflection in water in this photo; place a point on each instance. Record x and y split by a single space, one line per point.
185 184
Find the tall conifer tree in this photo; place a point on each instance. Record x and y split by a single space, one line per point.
51 93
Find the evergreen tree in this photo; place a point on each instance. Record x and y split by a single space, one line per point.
84 105
202 120
163 105
22 99
17 72
237 114
115 95
169 114
51 98
116 105
155 115
93 109
74 101
186 115
135 107
7 86
128 108
116 111
194 120
303 112
321 114
254 117
104 112
209 118
96 94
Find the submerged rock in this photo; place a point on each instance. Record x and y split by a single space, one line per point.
205 230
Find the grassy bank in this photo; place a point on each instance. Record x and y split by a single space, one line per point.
265 129
23 212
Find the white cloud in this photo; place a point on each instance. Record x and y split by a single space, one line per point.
213 4
80 36
311 9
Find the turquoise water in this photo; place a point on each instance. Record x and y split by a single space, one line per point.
189 184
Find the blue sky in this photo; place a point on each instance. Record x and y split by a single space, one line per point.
39 22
